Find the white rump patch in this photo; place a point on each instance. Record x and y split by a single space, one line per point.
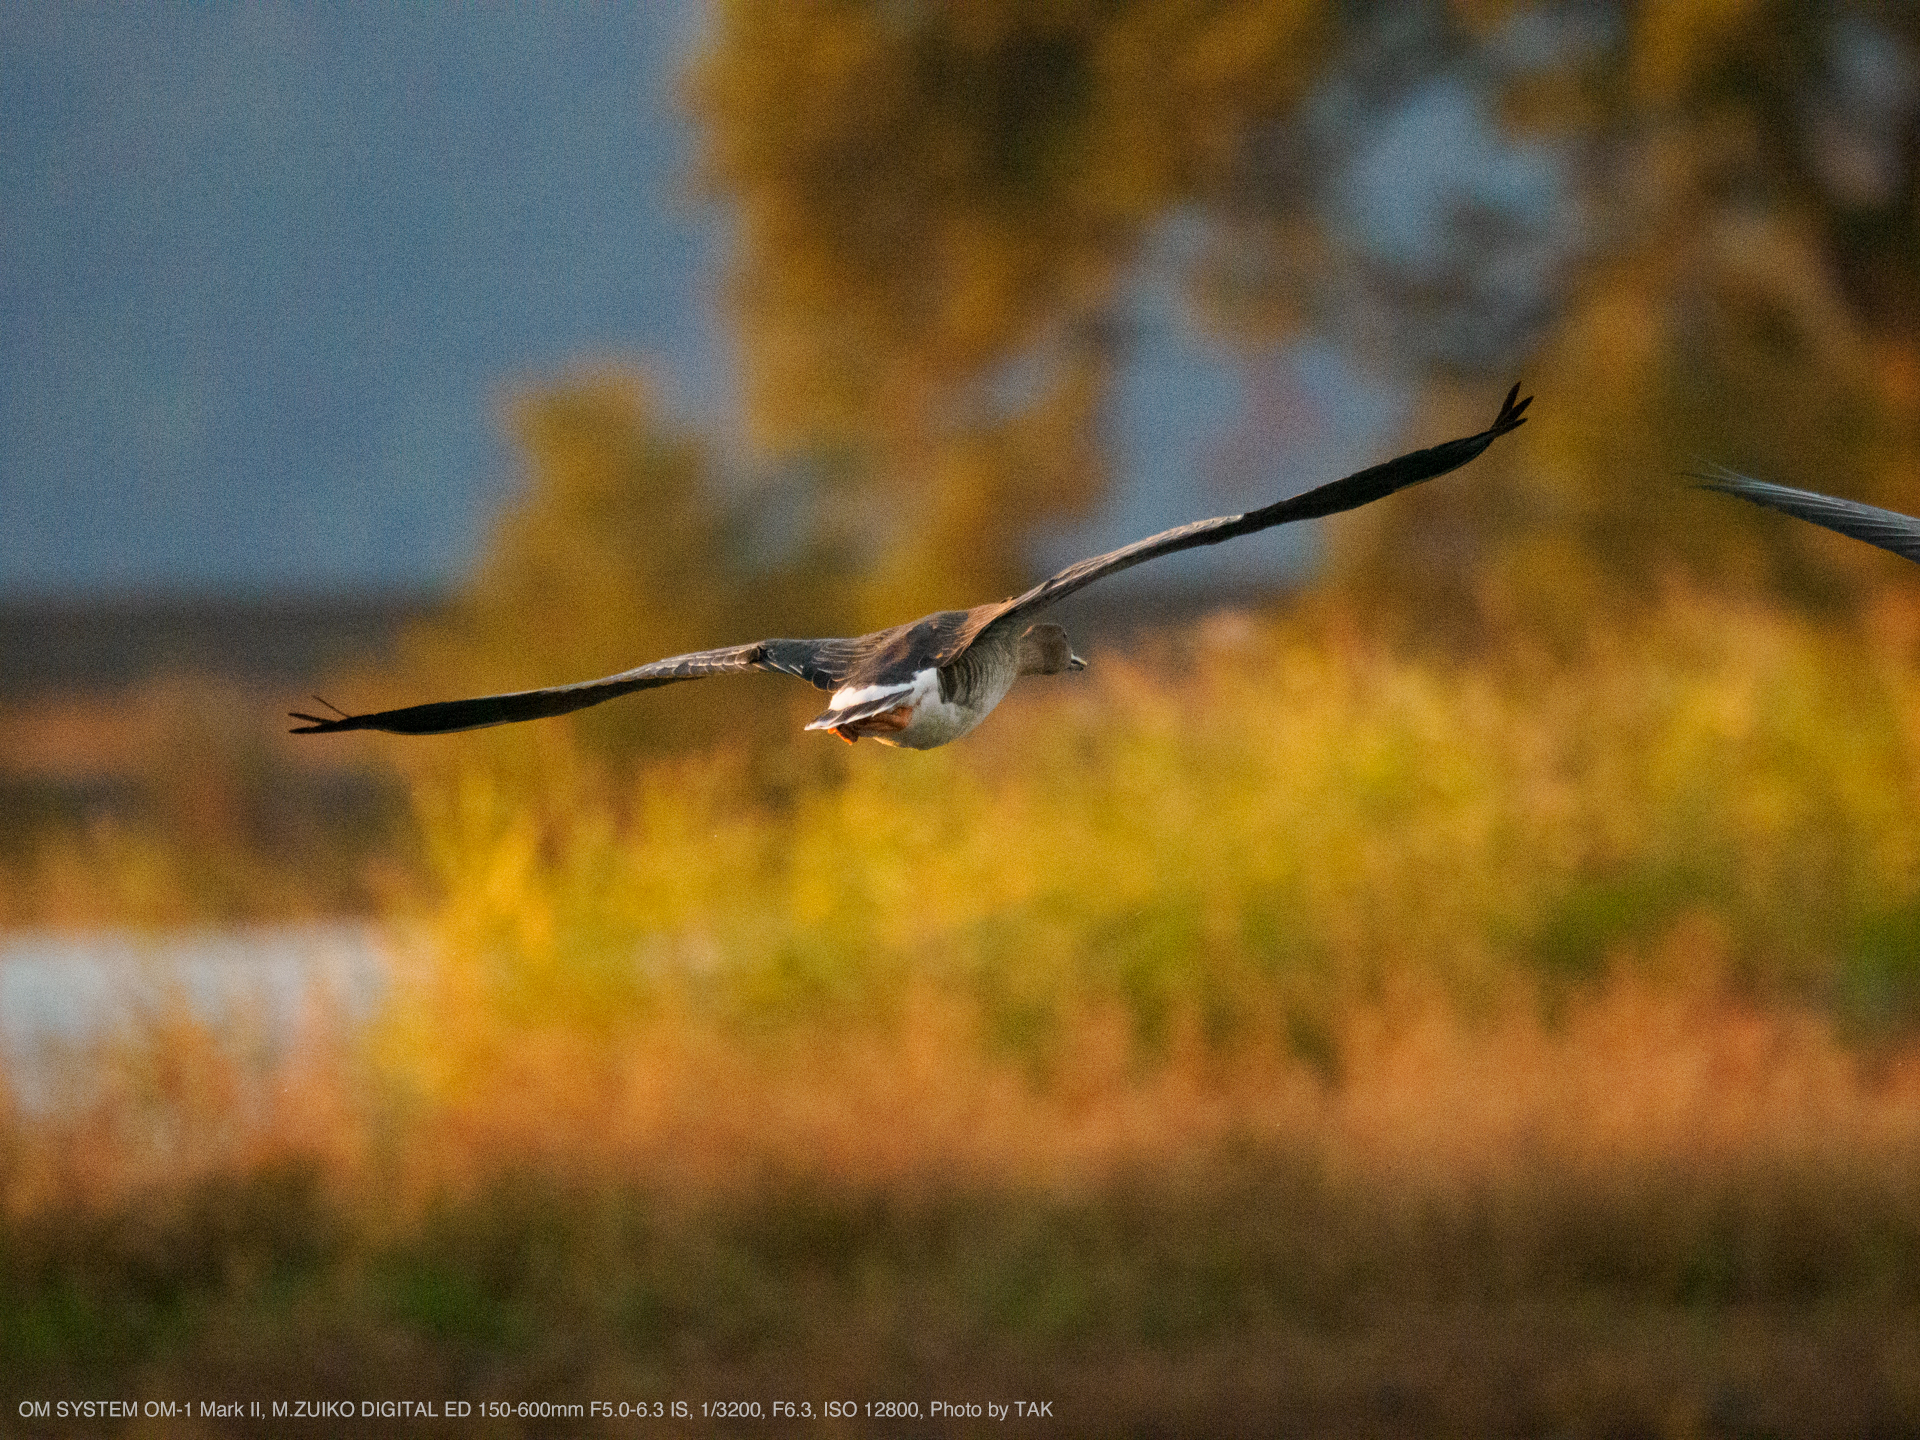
856 701
857 695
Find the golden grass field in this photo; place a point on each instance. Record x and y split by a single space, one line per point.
1274 1033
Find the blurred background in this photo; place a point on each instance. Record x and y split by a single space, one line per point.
1456 968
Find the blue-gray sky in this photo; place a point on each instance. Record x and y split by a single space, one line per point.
267 271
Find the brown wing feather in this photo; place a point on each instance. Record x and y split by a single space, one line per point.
820 662
1348 493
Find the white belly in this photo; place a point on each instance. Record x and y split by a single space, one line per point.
934 722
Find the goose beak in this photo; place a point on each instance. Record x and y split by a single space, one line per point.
1074 662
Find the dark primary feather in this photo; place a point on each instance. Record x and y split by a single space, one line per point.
1348 493
820 662
1888 529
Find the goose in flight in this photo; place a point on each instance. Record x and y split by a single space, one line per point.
932 680
1888 529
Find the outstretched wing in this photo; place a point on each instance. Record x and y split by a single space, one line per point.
822 663
1330 499
1888 529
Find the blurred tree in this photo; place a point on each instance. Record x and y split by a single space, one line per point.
938 205
1691 226
621 549
1745 290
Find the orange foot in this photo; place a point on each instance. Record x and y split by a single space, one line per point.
845 734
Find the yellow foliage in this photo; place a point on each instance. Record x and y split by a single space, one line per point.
1270 970
1674 41
1290 822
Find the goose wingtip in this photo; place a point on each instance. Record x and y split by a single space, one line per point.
1513 410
